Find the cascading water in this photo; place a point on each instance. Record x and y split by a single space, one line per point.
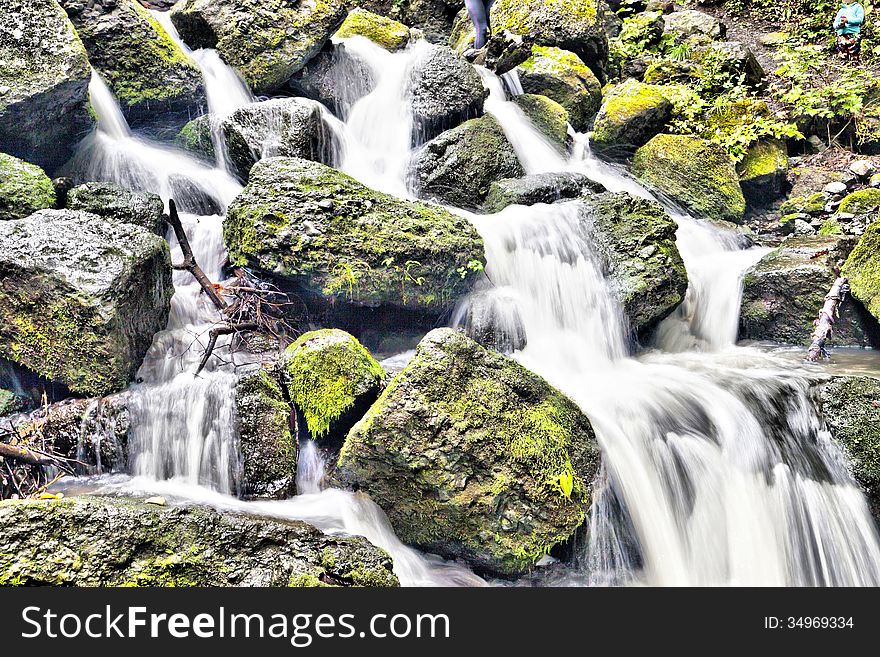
705 479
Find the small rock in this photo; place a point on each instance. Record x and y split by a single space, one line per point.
845 216
157 500
835 188
862 168
831 206
816 144
801 227
875 180
648 251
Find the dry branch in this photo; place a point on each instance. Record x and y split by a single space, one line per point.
189 260
828 316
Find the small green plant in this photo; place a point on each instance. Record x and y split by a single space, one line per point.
474 266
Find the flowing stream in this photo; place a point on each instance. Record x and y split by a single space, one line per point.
717 469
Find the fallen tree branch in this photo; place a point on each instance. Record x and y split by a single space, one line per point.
24 455
189 260
828 316
216 333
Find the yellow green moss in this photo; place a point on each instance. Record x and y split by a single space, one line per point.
383 31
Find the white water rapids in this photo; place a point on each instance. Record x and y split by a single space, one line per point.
697 487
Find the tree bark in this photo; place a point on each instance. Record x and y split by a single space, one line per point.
24 455
828 316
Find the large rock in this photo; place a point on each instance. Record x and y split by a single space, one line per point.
444 91
44 81
636 240
81 297
457 167
862 267
631 114
332 380
850 407
151 77
267 41
860 203
538 188
575 25
343 242
562 76
120 542
689 22
784 291
548 116
731 57
694 173
335 77
268 446
386 32
474 457
116 203
287 127
24 188
763 172
197 137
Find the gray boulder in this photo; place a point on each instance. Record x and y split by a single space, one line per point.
537 188
44 81
267 41
444 91
689 22
474 457
116 203
458 167
335 77
343 243
289 127
81 297
121 542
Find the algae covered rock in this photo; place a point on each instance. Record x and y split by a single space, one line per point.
151 77
267 41
562 76
387 32
81 297
472 456
538 188
458 167
636 240
24 188
121 542
444 90
862 267
288 127
116 203
332 380
784 291
763 172
44 80
861 202
631 114
549 117
268 446
849 407
694 173
338 240
196 137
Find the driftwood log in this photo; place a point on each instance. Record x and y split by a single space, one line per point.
828 316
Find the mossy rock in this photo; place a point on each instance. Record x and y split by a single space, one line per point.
784 291
114 202
849 407
9 402
763 172
267 41
474 457
861 202
332 380
812 204
81 297
148 73
24 188
44 74
830 227
384 31
666 71
538 188
549 117
268 446
631 114
341 242
562 76
458 167
197 137
862 267
121 542
695 173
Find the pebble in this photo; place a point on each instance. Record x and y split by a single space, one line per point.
647 251
831 206
157 501
801 227
862 168
835 188
844 216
